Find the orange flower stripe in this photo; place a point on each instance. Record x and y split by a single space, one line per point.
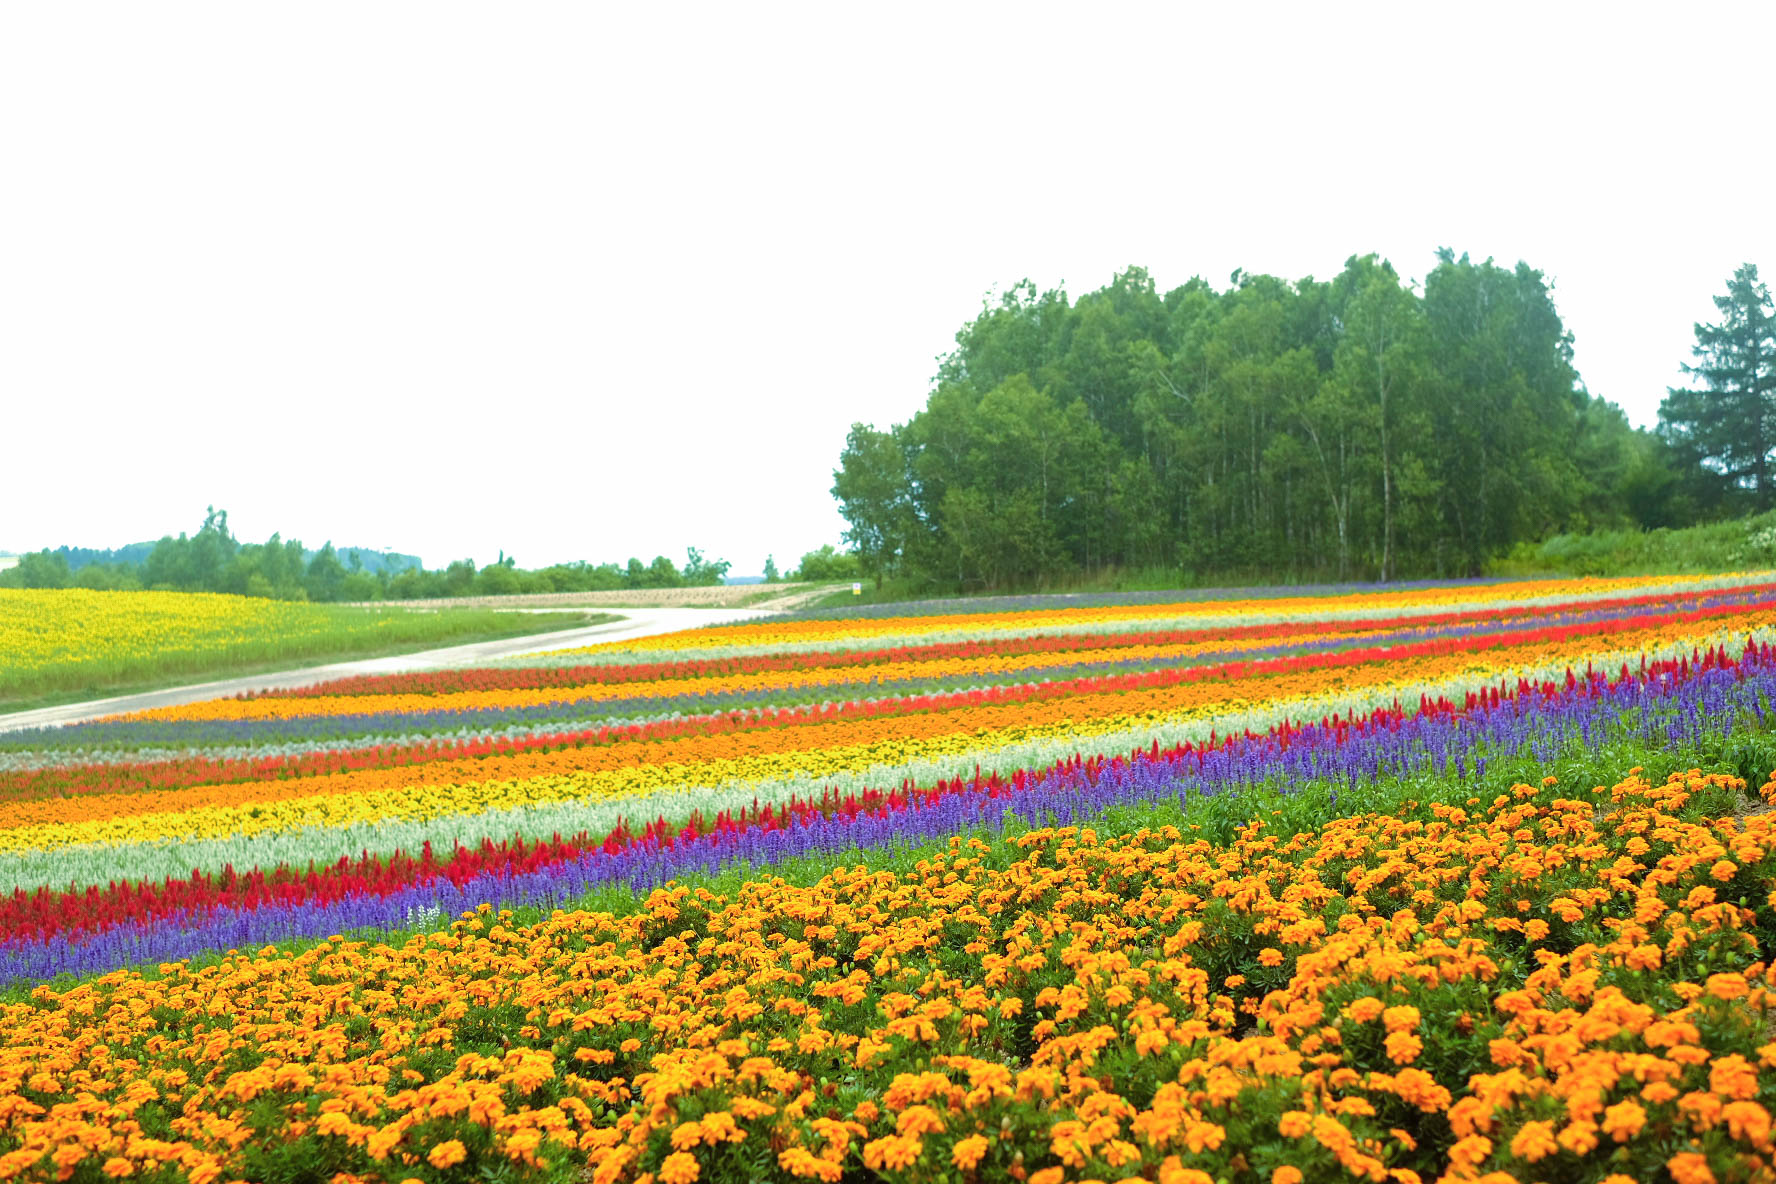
1452 991
289 708
1282 607
988 726
278 708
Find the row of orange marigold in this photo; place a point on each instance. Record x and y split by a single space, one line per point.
1553 985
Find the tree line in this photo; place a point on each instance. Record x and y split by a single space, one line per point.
1358 428
213 560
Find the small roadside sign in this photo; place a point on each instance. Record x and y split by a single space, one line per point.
857 589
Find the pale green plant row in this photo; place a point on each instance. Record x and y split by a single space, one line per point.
84 864
1287 810
1672 586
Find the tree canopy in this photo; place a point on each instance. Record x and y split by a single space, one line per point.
1352 428
1725 428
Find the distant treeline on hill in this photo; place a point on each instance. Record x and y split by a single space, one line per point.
134 555
1354 428
213 560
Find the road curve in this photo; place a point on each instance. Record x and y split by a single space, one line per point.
637 622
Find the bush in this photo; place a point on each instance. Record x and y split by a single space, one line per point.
828 564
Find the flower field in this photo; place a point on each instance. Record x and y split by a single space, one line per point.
1438 882
73 641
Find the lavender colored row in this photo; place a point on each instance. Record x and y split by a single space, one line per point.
46 745
1038 602
1664 711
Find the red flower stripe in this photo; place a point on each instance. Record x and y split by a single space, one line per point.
45 914
149 776
445 682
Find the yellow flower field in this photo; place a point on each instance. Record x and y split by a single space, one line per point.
71 640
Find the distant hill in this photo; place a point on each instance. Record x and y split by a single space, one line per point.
373 561
135 554
132 555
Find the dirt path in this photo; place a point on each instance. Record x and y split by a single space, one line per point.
641 622
755 597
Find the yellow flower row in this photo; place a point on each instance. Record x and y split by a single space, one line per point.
1188 614
350 798
75 626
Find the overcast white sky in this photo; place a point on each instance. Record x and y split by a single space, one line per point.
587 281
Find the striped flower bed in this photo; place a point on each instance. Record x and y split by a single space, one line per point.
867 918
369 801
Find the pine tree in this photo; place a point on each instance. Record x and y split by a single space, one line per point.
1728 422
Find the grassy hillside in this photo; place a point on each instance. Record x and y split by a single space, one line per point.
1736 545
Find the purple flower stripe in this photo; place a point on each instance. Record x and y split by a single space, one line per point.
1660 710
1040 601
200 733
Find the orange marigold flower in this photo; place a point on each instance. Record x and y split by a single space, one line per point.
1471 1152
1400 1019
1048 1176
1659 1092
866 1112
1747 1120
1703 1109
1728 986
680 1168
1363 1010
968 1152
1535 1141
1294 1124
1624 1120
1239 980
1173 1171
1733 1077
1689 1167
1506 1053
1149 1040
1723 870
448 1154
1403 1047
1580 1138
1287 1174
918 1120
799 1161
119 1166
719 1127
891 1151
1270 957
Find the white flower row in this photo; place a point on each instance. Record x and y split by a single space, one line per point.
156 860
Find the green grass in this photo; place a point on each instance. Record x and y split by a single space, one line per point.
1739 544
350 633
1113 579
